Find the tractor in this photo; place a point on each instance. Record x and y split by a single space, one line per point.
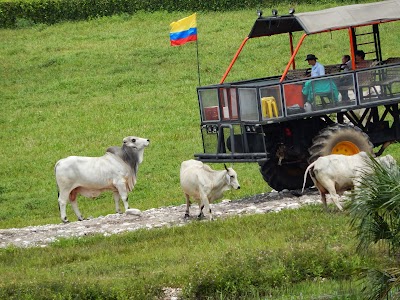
285 122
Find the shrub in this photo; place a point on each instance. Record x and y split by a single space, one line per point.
374 214
242 277
79 290
53 11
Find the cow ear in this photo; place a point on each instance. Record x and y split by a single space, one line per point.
228 179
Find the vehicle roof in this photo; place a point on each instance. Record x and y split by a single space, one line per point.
335 18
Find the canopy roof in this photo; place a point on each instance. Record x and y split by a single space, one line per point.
335 18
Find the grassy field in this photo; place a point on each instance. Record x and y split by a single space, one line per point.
77 88
274 256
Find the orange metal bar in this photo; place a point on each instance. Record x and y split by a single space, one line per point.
292 57
352 50
234 60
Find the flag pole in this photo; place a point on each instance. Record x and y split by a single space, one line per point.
198 62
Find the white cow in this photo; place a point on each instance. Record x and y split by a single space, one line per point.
335 173
89 176
204 184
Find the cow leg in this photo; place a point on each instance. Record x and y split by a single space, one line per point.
74 203
123 193
322 193
116 200
335 199
323 199
330 187
201 215
187 206
62 205
206 205
208 208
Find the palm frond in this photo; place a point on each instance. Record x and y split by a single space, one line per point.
375 207
382 284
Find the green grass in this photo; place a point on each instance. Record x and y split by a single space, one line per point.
77 88
253 257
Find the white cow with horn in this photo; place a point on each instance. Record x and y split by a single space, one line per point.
115 171
204 184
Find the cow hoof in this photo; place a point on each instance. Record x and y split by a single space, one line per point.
80 219
200 217
65 220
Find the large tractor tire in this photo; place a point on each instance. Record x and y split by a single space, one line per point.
285 176
340 139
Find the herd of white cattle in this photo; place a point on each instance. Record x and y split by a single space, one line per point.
117 170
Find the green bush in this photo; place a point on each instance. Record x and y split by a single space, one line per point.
242 277
79 290
53 11
374 213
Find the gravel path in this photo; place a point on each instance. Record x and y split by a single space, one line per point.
41 236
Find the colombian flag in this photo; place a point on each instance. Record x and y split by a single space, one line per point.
183 31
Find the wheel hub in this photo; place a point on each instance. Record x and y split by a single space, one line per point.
345 148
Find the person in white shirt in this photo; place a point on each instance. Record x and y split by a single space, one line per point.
317 69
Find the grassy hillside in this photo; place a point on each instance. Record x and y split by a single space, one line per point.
78 88
75 89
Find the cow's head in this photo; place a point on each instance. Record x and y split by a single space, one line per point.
231 178
135 146
135 142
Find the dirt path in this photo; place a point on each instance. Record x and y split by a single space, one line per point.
40 236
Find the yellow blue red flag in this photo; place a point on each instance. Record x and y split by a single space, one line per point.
183 31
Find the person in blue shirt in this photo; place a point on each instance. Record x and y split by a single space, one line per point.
316 68
325 87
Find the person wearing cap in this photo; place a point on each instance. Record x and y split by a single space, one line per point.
317 69
320 86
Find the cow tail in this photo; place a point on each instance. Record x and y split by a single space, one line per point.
305 175
55 173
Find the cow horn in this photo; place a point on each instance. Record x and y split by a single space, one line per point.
226 167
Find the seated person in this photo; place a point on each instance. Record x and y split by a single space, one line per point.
345 81
360 60
322 87
346 63
316 68
365 79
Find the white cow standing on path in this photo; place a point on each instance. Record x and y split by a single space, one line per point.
205 184
334 174
90 176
